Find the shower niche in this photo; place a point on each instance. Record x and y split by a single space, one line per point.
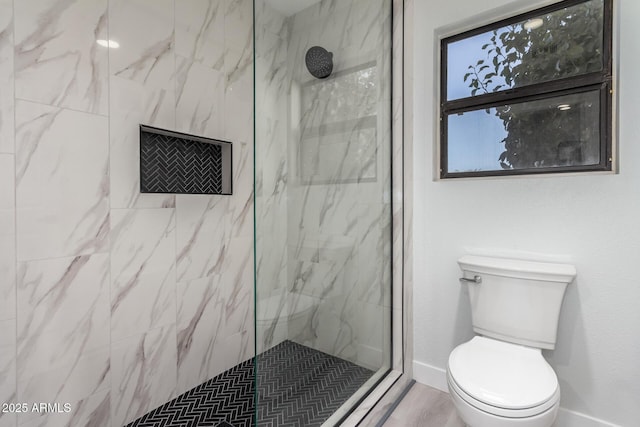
179 163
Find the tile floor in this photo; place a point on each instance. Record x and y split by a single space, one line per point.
424 407
298 386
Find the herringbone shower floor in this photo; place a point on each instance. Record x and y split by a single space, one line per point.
298 387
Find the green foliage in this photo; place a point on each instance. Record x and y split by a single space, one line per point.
568 43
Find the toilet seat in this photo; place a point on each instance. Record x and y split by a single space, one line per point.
504 379
502 412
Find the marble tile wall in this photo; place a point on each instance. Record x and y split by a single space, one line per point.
7 218
323 180
7 287
111 300
272 128
6 75
345 213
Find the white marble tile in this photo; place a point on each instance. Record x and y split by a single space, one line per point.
201 310
269 21
350 284
233 350
62 329
271 244
57 59
319 279
272 168
77 385
238 69
94 410
241 209
241 203
133 103
304 208
238 23
7 369
271 80
145 31
199 99
143 278
200 32
271 174
143 372
272 321
62 160
373 334
238 283
202 235
238 112
348 100
248 348
7 239
343 157
142 91
334 329
210 310
272 220
360 212
52 327
273 107
299 44
322 14
368 26
6 76
338 209
373 256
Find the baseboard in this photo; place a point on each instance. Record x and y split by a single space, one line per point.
567 418
435 377
430 375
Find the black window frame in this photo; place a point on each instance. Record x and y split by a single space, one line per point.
601 81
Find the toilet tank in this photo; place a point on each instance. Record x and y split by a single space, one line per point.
516 301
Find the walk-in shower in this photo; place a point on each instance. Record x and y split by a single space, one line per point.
322 206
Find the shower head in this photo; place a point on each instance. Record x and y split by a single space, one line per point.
319 62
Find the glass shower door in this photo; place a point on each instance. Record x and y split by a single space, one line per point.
323 206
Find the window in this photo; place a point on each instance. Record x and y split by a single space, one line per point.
529 94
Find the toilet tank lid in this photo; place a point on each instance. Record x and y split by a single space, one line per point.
522 269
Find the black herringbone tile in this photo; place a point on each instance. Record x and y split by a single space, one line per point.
298 386
169 164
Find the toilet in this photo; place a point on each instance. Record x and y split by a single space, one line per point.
499 378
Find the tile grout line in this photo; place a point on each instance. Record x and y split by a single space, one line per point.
15 207
175 212
110 242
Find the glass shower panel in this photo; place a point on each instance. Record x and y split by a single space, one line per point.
323 206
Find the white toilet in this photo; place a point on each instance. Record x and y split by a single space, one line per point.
499 378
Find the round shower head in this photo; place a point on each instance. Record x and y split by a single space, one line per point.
319 62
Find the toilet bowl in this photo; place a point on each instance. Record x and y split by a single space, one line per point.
498 384
499 378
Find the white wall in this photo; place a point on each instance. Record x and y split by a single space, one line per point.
589 219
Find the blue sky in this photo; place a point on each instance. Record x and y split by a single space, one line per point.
474 137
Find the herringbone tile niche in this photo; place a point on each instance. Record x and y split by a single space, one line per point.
173 162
